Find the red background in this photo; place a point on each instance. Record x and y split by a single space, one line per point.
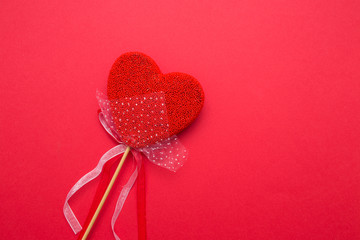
273 155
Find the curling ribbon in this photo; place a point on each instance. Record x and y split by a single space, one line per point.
170 154
111 154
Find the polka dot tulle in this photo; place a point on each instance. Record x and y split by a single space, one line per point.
169 153
139 120
142 123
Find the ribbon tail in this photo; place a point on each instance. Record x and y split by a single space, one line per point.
68 213
125 191
105 179
141 203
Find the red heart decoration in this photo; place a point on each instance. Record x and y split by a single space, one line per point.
136 78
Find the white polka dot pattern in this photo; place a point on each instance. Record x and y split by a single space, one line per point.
141 122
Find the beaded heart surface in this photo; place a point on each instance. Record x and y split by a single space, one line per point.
148 106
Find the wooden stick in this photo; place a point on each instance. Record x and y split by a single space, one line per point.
106 193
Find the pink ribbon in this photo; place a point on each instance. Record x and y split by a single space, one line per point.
154 153
115 151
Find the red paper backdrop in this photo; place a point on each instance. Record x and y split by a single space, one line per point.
274 154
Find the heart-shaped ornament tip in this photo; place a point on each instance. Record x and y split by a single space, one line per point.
148 106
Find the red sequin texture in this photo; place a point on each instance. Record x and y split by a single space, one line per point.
135 74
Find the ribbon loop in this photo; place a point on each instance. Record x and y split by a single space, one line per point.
168 153
69 214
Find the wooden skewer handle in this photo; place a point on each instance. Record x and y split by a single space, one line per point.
106 193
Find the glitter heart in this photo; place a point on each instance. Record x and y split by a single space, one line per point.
134 76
